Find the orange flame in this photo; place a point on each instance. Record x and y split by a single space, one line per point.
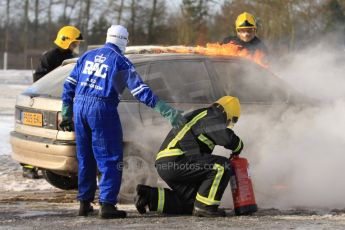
229 49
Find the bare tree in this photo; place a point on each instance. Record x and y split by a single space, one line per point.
193 23
26 31
49 16
7 24
132 22
64 11
151 24
86 19
120 10
36 22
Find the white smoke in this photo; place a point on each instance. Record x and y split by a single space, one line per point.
299 161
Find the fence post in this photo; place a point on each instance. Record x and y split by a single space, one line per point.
5 60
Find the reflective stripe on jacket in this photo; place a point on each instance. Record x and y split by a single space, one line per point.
204 129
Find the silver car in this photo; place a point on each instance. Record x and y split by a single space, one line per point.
186 81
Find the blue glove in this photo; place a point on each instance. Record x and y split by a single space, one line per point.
174 116
67 118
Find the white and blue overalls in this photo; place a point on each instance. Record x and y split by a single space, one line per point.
95 83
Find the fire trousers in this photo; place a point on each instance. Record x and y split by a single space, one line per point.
196 180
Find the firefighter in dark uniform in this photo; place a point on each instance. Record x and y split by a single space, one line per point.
185 162
67 41
246 29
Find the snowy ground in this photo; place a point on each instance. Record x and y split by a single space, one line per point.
12 82
34 204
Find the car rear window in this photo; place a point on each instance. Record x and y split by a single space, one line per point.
181 81
248 82
51 85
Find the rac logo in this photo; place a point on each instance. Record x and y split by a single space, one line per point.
97 69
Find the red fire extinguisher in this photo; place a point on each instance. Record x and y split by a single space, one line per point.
241 187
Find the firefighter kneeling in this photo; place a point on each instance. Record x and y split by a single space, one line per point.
185 162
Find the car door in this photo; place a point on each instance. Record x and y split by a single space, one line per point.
184 84
129 107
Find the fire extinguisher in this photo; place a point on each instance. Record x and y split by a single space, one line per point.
241 187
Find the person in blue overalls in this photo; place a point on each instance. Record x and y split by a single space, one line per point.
91 96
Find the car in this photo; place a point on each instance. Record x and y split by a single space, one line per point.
187 81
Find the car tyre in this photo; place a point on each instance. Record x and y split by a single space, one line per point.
59 181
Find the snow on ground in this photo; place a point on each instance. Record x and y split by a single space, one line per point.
21 77
11 178
6 125
12 83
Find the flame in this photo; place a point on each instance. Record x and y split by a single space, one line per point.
216 49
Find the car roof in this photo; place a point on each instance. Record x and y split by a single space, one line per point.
146 57
144 53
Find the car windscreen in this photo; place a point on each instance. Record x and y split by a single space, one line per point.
249 82
51 85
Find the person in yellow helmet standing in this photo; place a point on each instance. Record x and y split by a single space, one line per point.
246 28
67 41
185 162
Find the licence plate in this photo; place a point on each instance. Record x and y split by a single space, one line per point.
34 119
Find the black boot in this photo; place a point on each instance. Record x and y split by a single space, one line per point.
85 208
143 198
208 211
109 211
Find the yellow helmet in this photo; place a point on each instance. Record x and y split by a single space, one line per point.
232 108
66 36
245 20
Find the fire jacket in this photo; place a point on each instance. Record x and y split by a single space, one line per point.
204 129
105 73
50 60
254 44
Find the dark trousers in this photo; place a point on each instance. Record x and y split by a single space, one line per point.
198 180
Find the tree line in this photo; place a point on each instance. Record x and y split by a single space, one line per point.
29 27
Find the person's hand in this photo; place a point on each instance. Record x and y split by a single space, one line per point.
237 149
67 124
177 120
231 157
173 115
67 118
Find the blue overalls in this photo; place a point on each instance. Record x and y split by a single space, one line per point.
95 84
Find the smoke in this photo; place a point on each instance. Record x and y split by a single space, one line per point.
298 161
296 156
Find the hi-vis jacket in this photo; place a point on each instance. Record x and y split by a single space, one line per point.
204 129
104 73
